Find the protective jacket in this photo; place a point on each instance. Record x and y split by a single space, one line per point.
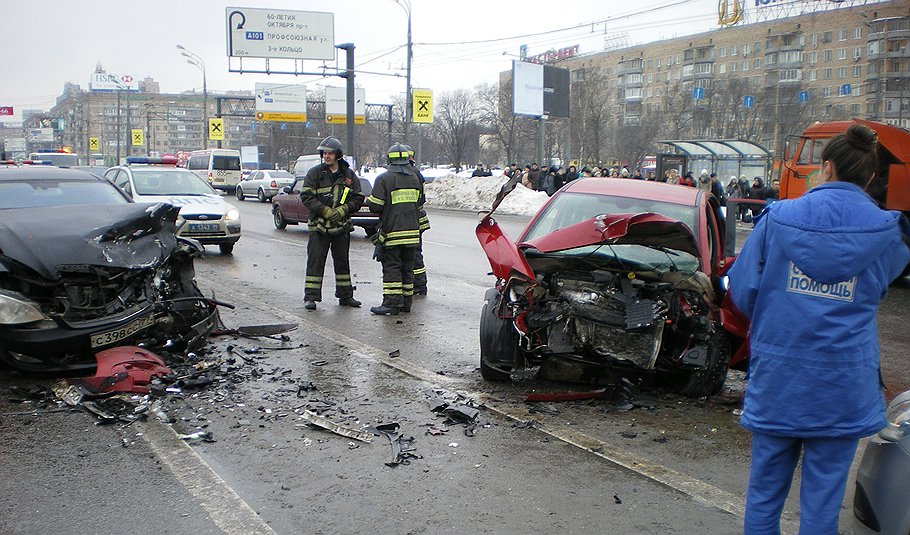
323 188
423 220
811 275
398 197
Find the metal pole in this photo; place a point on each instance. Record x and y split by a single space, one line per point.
390 122
349 75
205 111
542 126
407 97
119 139
148 133
217 114
129 138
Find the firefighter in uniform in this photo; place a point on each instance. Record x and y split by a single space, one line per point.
420 269
331 192
398 199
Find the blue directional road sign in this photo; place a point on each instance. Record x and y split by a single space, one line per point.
803 97
845 90
748 101
698 93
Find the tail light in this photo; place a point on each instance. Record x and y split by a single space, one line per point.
273 184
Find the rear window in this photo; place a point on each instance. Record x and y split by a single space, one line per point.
33 193
226 163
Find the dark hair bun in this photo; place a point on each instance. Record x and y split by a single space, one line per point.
862 138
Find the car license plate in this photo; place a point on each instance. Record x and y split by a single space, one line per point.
204 227
116 335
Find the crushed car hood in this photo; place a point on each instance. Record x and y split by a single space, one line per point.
190 205
123 236
647 229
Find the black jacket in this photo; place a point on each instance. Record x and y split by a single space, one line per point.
322 188
398 199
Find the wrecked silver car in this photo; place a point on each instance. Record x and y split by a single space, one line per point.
83 268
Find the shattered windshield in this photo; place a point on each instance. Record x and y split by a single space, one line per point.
48 192
169 182
634 257
570 208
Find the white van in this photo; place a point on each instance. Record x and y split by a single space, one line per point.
221 167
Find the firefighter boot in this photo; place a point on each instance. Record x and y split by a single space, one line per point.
349 302
384 310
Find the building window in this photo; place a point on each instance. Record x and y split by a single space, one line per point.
723 68
703 68
828 55
841 72
756 63
857 71
813 58
745 65
842 34
756 48
826 91
723 52
790 75
733 50
841 53
734 66
771 59
854 108
633 92
857 52
827 37
826 73
857 33
792 56
875 47
813 39
658 62
633 78
746 49
687 70
813 75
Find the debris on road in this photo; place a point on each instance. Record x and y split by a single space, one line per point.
456 408
568 396
402 448
338 429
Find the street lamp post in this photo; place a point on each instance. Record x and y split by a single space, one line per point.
406 5
197 61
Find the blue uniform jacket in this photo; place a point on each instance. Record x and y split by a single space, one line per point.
810 278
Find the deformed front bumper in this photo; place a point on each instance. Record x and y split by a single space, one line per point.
880 500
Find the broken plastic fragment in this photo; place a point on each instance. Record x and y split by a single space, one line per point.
338 429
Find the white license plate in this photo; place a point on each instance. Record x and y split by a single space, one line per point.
115 335
204 227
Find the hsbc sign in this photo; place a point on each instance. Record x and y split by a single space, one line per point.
107 82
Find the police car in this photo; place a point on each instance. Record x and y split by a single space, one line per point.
204 214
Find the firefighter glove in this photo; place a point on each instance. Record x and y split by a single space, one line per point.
377 251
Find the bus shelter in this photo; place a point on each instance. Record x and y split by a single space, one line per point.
726 157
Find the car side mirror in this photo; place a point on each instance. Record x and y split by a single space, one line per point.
286 189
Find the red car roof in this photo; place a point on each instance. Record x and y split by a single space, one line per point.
636 189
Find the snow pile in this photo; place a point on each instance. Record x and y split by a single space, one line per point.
477 194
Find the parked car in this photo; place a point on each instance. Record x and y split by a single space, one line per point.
613 277
287 209
204 214
83 268
263 184
880 500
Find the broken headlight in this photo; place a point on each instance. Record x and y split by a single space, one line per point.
15 309
898 417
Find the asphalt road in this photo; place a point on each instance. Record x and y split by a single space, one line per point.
668 465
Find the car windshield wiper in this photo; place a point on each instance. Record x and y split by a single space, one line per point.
670 254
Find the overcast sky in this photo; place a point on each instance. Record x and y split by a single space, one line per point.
45 44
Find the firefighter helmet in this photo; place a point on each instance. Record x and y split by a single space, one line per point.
330 144
398 154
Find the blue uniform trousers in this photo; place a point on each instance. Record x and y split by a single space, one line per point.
826 465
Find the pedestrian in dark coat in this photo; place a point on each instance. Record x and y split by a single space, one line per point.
810 278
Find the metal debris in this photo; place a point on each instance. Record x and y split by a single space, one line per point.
338 429
402 448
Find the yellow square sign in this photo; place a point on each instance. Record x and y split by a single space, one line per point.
94 144
136 137
422 106
216 129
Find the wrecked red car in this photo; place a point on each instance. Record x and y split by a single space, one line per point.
83 269
613 277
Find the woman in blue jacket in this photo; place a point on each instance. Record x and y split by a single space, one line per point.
810 278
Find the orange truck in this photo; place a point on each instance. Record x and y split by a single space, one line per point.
891 186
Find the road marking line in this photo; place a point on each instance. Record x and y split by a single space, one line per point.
439 244
289 242
224 506
698 490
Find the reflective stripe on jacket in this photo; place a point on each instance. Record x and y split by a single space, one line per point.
398 198
323 188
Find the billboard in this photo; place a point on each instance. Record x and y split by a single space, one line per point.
107 82
39 135
422 105
281 102
539 90
336 111
276 33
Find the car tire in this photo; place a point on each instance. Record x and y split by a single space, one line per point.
226 248
498 343
261 195
239 193
278 218
710 380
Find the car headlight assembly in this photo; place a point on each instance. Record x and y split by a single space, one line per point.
898 416
18 311
232 215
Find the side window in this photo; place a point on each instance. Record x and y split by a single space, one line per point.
256 176
805 153
817 149
123 182
712 225
298 186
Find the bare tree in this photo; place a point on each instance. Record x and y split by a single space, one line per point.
453 120
590 115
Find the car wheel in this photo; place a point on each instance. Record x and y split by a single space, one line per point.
261 195
226 248
498 346
280 222
710 379
239 193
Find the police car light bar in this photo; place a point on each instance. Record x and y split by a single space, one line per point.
37 162
145 160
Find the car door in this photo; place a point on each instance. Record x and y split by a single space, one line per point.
249 185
